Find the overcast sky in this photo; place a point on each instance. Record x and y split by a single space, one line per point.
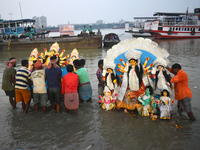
89 11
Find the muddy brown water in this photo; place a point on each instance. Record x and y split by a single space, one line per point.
94 128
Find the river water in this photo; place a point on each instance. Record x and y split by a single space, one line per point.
94 128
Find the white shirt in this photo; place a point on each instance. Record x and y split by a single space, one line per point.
38 78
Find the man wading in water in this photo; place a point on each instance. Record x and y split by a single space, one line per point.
8 82
182 91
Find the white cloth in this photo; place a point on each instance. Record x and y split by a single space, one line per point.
165 110
38 78
161 80
133 80
147 80
109 82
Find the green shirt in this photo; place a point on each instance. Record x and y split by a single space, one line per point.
16 34
84 29
7 79
32 30
90 29
83 75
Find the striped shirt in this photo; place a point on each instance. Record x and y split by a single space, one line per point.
22 76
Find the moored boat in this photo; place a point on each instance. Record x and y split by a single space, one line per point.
67 42
29 38
22 27
177 25
110 39
142 26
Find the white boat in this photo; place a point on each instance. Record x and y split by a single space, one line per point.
142 26
177 25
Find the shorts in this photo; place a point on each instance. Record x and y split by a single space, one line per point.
11 94
186 104
22 95
54 95
40 98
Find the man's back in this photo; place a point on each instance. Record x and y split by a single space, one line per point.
182 89
7 79
38 78
83 75
22 76
53 77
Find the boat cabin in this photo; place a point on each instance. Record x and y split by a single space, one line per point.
177 22
8 27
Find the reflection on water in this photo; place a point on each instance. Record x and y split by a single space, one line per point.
92 127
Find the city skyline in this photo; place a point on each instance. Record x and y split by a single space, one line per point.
89 11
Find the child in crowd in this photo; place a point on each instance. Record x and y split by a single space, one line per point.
70 83
100 77
39 86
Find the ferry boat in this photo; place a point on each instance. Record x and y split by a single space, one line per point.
22 27
142 26
177 25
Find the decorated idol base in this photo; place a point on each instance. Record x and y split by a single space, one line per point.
44 57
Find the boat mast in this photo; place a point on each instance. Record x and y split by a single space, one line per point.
187 16
21 15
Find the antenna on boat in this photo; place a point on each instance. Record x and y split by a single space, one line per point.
21 15
187 15
20 10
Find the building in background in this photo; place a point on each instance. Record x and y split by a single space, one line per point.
99 22
39 21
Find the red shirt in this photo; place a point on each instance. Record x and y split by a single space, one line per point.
70 83
181 87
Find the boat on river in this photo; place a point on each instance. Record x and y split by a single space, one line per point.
28 39
22 27
177 25
110 39
66 42
141 26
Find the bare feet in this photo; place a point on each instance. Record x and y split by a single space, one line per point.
75 112
125 110
57 107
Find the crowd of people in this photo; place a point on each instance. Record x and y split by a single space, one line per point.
47 83
43 84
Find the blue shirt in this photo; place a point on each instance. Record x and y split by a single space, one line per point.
64 71
53 77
